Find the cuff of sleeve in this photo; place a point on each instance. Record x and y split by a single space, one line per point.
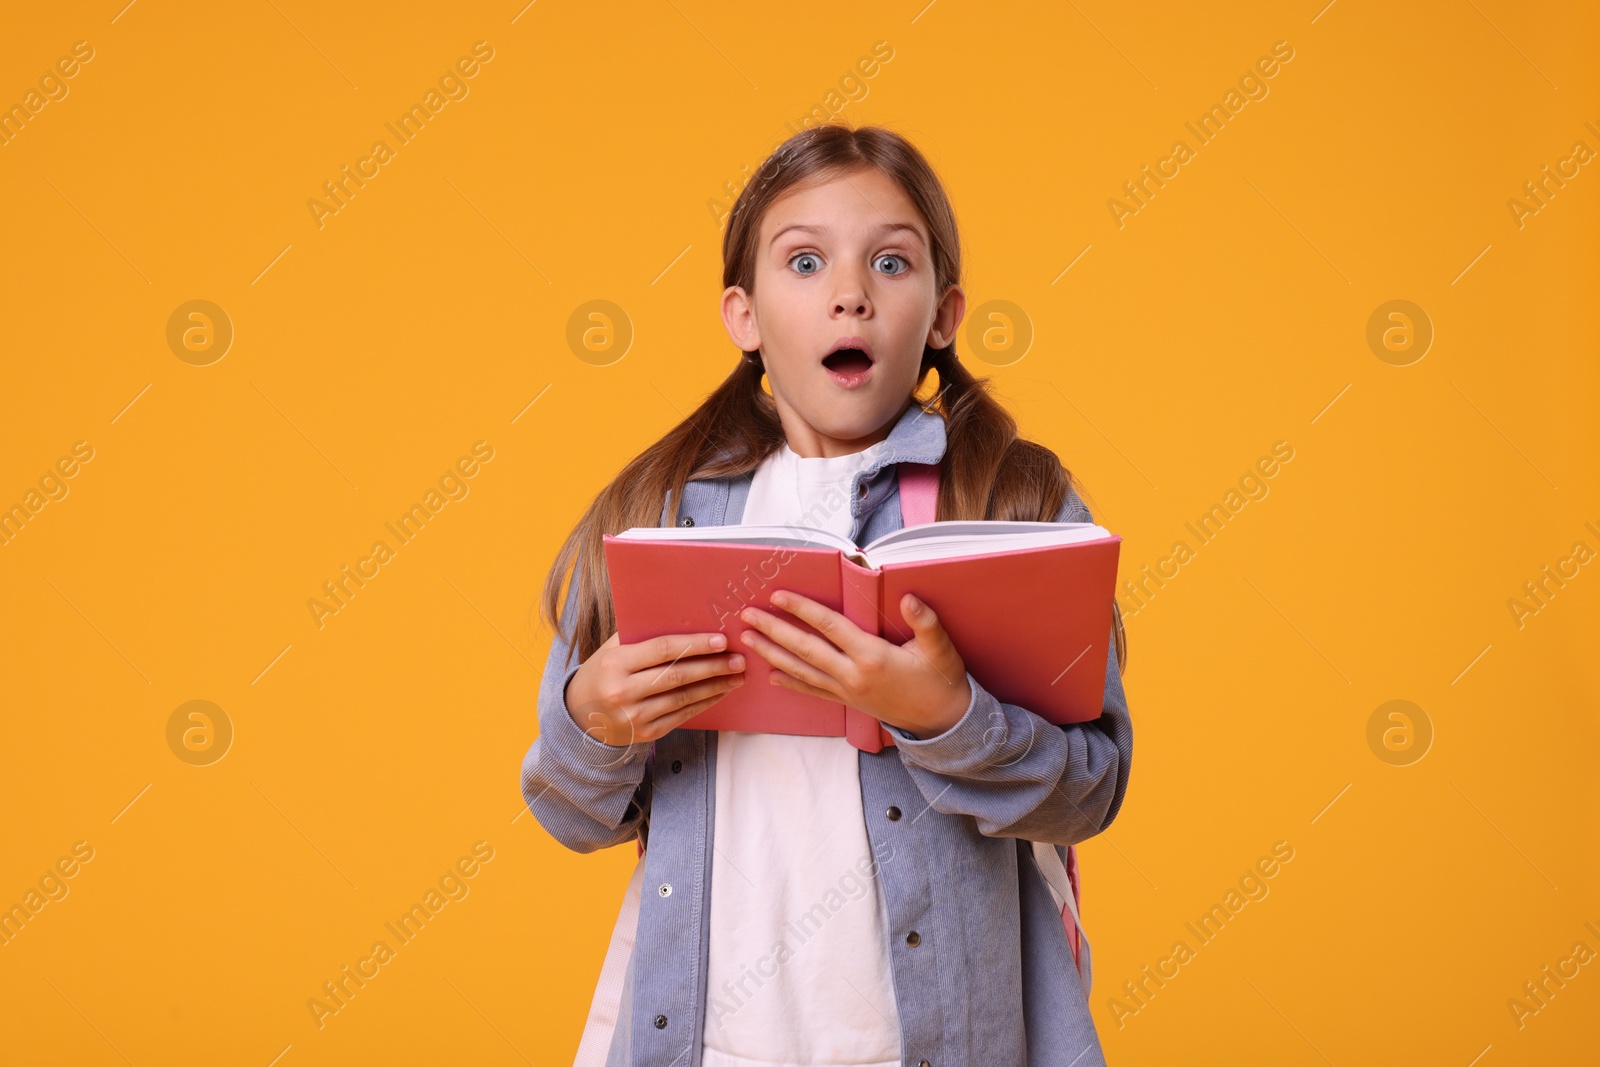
960 739
578 744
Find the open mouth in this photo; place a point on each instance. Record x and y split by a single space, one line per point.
848 367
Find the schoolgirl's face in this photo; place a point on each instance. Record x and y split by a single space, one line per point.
845 298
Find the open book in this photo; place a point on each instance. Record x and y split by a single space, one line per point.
1027 604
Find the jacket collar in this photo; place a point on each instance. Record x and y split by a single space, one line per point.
918 436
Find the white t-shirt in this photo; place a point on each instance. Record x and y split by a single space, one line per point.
799 965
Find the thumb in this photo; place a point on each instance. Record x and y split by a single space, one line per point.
919 616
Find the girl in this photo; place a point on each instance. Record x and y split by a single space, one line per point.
807 903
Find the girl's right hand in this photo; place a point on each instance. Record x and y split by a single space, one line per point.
626 694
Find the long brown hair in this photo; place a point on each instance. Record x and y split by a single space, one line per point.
987 472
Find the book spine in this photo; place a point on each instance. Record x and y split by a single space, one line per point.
861 594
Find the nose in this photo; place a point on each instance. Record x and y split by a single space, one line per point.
850 292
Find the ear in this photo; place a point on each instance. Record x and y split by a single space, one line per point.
947 317
739 317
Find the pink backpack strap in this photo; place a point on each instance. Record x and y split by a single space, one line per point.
919 492
1066 918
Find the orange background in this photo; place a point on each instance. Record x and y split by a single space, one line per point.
432 312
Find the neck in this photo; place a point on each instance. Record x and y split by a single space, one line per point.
809 443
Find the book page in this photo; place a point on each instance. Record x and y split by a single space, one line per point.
755 534
956 537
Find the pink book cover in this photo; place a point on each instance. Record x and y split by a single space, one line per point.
1031 624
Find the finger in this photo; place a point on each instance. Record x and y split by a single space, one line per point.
788 681
813 649
920 617
669 648
929 636
667 723
667 704
792 665
667 677
831 624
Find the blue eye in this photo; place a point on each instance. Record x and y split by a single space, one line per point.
901 259
804 256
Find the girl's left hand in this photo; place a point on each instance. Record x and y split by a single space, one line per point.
920 686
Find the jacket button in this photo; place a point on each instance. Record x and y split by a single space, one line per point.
677 765
913 938
661 1022
924 1063
893 813
687 520
665 889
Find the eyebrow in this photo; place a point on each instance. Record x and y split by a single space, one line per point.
888 227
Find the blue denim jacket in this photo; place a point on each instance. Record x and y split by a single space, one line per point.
988 977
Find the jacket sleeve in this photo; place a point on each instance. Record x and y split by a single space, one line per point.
1019 775
587 794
